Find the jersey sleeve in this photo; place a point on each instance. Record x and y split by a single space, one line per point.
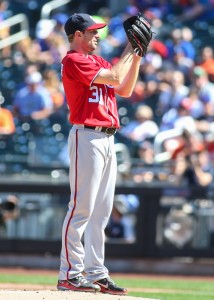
105 64
81 69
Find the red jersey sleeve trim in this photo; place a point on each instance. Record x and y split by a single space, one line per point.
96 76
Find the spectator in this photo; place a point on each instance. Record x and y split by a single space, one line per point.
205 124
33 101
9 210
116 39
181 38
5 13
151 94
143 127
43 30
195 10
146 152
60 19
31 68
186 42
138 93
103 16
207 61
122 221
52 44
178 118
182 63
172 92
154 7
143 171
53 85
193 166
204 85
158 47
193 104
7 125
27 51
181 53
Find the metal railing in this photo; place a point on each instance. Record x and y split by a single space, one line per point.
160 155
16 37
48 7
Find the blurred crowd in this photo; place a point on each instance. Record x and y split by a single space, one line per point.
174 93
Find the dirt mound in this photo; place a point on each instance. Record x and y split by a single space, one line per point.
54 294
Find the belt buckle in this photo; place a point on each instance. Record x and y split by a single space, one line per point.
110 131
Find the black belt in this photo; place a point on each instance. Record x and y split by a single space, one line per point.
107 130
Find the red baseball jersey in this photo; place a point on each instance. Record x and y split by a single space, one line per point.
89 103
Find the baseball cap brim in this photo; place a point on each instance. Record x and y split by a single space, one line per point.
81 22
96 26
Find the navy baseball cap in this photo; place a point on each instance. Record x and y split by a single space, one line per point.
81 22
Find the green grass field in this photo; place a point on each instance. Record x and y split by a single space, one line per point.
156 288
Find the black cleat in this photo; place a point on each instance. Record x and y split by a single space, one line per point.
107 285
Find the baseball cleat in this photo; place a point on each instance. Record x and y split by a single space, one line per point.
108 286
78 283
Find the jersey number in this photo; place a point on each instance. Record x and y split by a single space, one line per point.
96 95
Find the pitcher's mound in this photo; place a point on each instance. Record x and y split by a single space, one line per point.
58 295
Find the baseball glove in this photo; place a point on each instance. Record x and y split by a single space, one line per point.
139 33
